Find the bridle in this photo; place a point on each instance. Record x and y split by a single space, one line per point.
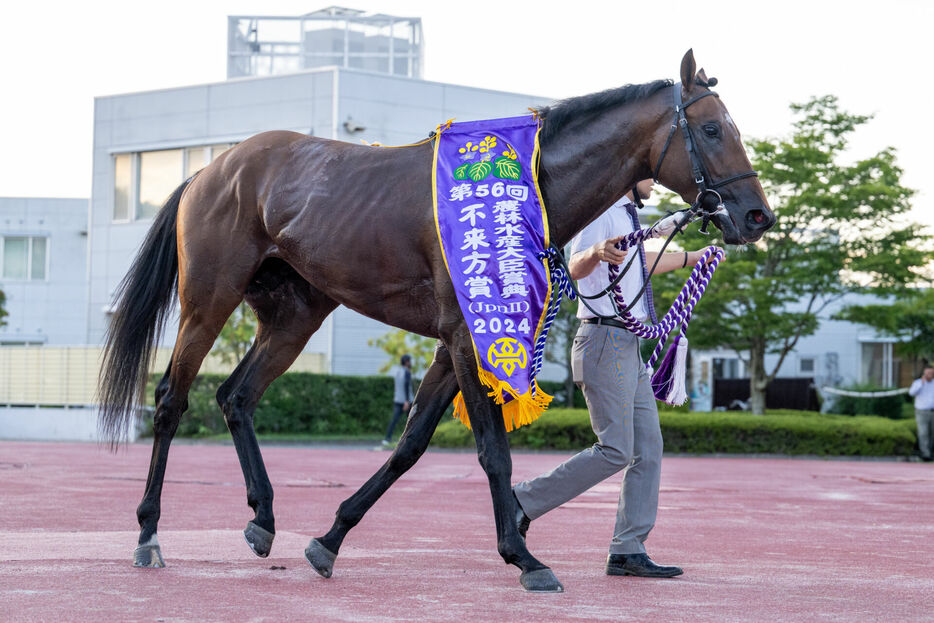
705 184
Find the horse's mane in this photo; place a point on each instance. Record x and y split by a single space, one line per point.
558 115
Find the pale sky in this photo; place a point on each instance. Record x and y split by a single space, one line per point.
58 56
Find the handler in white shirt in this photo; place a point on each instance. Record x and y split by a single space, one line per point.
923 391
607 366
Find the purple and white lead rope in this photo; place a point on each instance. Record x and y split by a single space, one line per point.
664 382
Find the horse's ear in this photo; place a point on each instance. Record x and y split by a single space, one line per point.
688 68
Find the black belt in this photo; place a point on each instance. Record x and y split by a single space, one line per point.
604 321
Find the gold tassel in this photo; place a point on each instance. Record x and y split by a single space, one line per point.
521 410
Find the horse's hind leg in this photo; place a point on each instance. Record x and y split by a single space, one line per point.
289 311
201 320
148 553
434 395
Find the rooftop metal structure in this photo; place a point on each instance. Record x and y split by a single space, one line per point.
268 45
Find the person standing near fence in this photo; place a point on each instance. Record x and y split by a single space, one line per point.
402 396
923 391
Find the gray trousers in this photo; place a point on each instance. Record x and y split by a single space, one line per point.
925 420
609 370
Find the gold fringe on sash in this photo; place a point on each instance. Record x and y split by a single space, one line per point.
521 410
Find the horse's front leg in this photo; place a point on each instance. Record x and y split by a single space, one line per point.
486 419
434 395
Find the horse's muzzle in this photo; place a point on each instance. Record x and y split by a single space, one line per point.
749 227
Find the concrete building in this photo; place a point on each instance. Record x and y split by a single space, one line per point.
43 270
145 144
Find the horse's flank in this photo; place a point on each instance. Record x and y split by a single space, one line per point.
352 220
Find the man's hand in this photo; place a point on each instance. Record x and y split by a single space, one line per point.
695 256
585 262
606 251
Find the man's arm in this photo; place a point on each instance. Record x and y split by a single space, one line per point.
672 260
585 262
916 387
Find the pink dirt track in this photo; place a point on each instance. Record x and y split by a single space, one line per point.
760 539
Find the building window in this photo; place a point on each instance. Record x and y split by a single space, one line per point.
196 158
37 258
881 366
806 365
144 180
217 150
160 172
727 368
24 258
123 166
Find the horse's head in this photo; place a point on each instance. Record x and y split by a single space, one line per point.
700 155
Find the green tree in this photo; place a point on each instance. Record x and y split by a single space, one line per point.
841 228
909 317
3 313
235 338
397 343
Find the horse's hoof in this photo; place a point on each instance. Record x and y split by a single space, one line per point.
541 581
148 554
259 540
321 558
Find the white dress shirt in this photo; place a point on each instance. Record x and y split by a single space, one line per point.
923 391
611 224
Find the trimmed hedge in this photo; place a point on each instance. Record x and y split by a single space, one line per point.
302 403
779 432
324 405
297 403
883 406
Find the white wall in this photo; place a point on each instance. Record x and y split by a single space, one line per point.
51 424
50 311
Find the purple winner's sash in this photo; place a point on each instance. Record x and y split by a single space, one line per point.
492 227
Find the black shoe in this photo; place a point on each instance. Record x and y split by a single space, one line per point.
639 565
522 520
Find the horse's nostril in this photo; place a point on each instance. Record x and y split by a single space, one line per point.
758 219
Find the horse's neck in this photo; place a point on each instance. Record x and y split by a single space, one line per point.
586 168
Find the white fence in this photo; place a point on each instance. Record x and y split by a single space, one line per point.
67 376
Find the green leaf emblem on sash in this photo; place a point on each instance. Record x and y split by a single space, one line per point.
460 173
479 170
507 169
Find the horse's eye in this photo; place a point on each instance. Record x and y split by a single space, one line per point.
711 129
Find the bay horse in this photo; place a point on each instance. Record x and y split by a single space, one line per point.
297 225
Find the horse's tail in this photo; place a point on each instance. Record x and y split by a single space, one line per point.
144 299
